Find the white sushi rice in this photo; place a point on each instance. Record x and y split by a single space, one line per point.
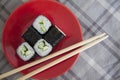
46 24
30 53
41 52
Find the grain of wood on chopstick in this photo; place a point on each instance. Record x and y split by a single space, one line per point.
50 56
61 59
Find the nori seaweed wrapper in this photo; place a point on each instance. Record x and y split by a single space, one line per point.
53 36
31 36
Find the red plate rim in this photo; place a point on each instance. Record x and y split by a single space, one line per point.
3 34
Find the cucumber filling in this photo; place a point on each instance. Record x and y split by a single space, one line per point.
42 27
42 46
24 51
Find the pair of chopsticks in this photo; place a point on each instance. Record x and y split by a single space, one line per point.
85 45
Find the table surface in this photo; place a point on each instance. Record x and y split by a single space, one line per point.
101 62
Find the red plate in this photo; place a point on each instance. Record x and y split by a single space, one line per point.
22 18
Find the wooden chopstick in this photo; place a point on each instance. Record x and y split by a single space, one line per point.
62 59
50 56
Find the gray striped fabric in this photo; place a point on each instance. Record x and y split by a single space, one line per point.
100 62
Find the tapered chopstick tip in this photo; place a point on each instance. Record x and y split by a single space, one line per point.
103 34
106 36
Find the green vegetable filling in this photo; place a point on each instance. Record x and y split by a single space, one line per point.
24 51
42 27
43 46
41 22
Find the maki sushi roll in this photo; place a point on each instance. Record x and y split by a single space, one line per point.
25 51
42 24
42 47
54 35
31 36
42 36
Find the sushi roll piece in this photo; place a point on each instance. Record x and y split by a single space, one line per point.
42 47
25 51
31 36
42 24
54 35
